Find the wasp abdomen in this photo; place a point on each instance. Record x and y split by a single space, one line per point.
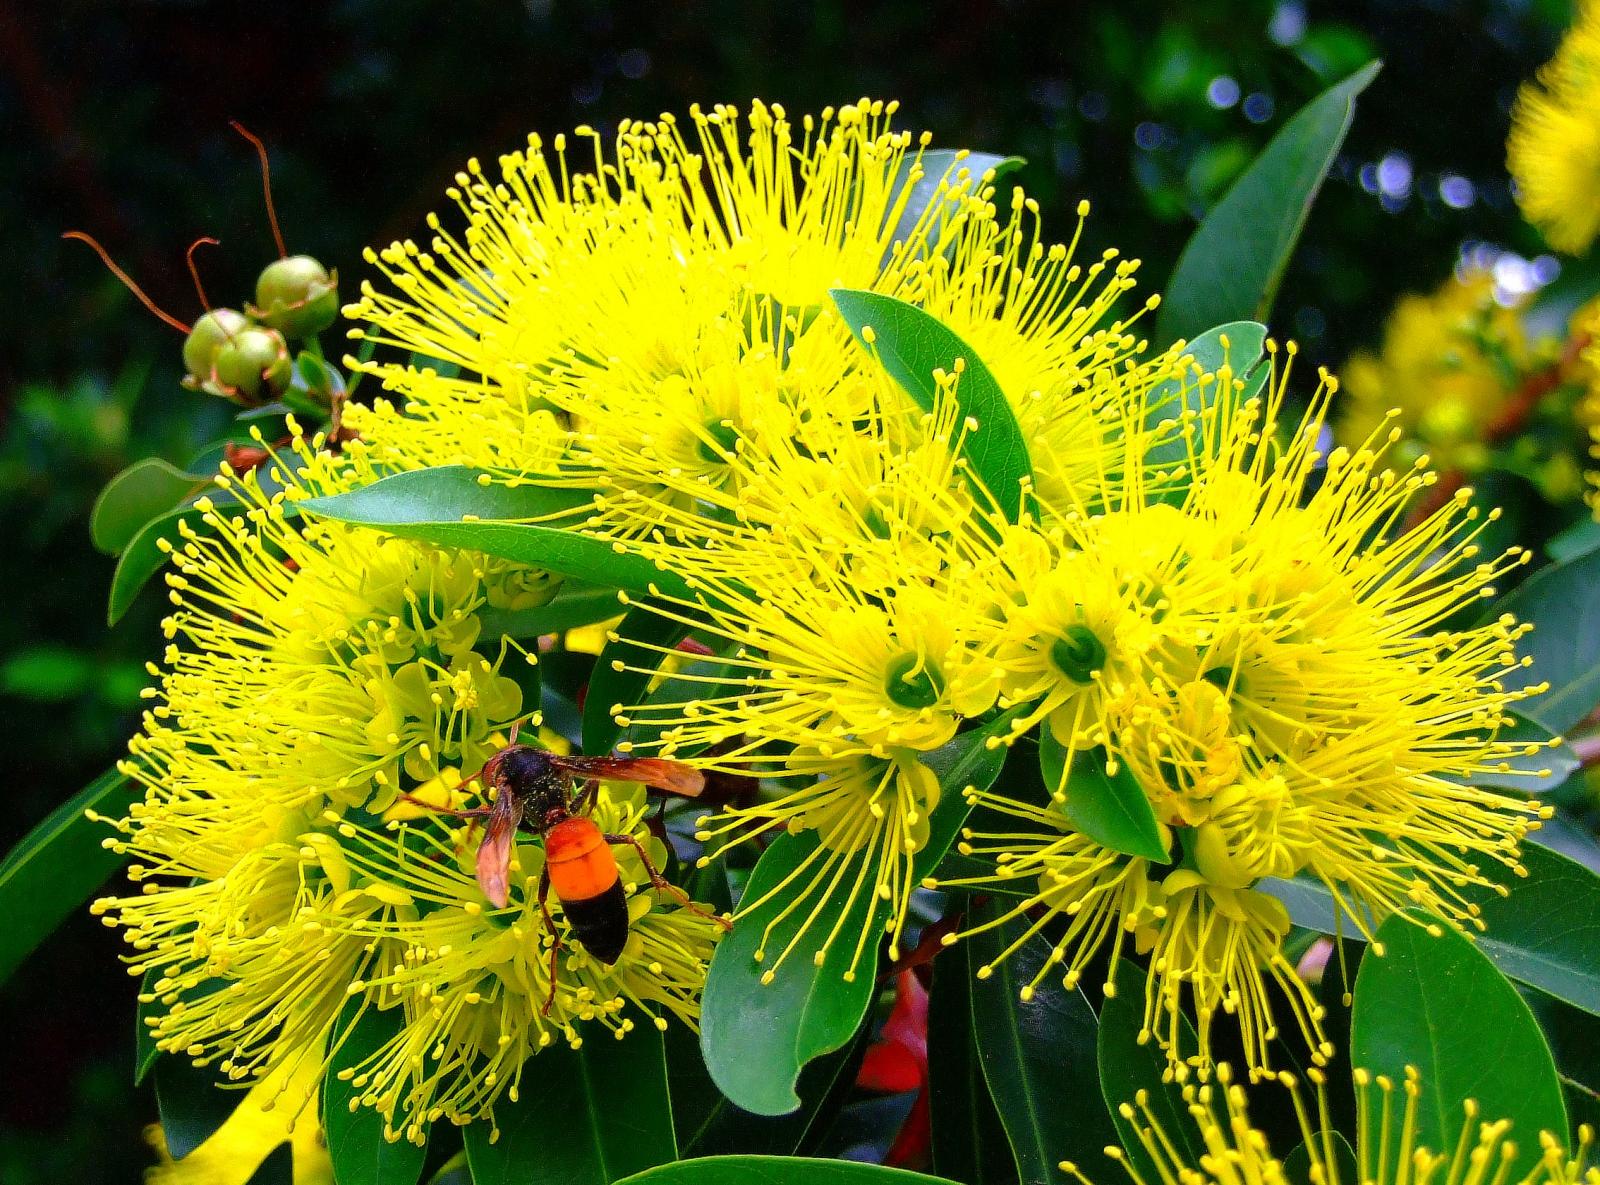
583 873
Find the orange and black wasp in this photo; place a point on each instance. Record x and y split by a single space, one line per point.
538 790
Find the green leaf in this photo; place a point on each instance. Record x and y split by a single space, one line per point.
969 1143
1129 1066
360 1154
1038 1057
1439 1004
1543 934
1232 265
1111 809
450 508
575 606
1577 540
1238 345
938 165
192 1104
134 497
643 629
586 1116
1297 1165
1563 604
911 344
58 866
757 1036
776 1170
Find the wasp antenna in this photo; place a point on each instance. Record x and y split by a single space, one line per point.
194 272
127 280
266 183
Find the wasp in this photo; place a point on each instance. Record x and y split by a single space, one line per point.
538 791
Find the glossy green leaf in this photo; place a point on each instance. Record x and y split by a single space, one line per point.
1238 345
57 867
945 166
1563 604
575 606
1544 933
192 1103
449 507
1038 1057
585 1116
969 1142
134 497
758 1036
1129 1066
912 345
1439 1004
777 1170
633 649
1233 263
360 1154
1110 808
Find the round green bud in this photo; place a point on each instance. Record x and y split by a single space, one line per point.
296 296
252 366
210 333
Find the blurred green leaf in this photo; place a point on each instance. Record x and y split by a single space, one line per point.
47 673
192 1103
1037 1055
943 165
135 496
58 866
585 1116
1528 772
1231 267
449 507
360 1154
1439 1004
911 345
1577 540
575 606
1111 809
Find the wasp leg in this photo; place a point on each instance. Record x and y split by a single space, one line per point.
555 937
587 797
661 882
477 812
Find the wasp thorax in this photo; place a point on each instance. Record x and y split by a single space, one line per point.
296 296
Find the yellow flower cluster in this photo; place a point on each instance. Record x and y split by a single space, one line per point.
1554 148
1187 590
314 673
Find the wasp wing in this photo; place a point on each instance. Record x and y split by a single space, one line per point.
655 772
494 853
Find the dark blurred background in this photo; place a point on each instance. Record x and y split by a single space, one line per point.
114 119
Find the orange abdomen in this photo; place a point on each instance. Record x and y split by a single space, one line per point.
581 863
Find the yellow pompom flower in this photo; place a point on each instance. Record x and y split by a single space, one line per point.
1233 1151
1553 152
1285 676
316 672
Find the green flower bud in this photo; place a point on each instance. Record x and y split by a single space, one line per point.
296 296
251 367
210 333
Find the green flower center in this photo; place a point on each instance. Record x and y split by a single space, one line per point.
717 445
913 682
1078 654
